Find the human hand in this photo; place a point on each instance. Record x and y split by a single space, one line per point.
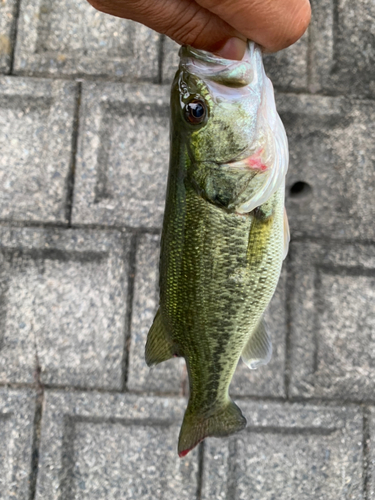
220 26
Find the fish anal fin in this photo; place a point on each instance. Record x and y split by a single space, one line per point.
258 350
195 428
159 347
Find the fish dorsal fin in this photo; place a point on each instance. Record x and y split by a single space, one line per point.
286 235
258 350
159 347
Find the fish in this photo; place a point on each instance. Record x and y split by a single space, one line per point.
225 233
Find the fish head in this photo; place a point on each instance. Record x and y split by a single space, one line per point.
224 113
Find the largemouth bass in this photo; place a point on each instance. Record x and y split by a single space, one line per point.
225 232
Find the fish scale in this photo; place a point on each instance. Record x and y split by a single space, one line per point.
221 256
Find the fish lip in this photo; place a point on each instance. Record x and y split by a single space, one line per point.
187 52
242 155
216 69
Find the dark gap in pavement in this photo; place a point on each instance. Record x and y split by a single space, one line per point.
291 431
36 430
129 307
72 167
319 307
200 470
72 420
13 34
366 455
67 459
309 57
161 59
232 473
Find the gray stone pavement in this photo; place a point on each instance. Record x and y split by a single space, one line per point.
83 164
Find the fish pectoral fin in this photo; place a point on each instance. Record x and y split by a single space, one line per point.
159 347
195 427
258 350
286 235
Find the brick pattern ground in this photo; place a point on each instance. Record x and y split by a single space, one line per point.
7 25
83 168
17 411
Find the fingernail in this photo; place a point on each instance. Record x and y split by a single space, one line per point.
234 48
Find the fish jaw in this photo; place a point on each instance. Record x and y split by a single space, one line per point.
255 162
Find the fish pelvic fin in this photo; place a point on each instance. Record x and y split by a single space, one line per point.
159 347
258 350
195 428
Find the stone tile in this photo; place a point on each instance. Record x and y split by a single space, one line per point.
16 435
342 47
267 380
7 11
333 321
171 59
331 149
72 38
36 127
169 376
123 155
63 296
288 69
113 446
287 452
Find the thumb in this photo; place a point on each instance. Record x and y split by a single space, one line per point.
184 21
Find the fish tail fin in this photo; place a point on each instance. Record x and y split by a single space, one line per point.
223 422
159 347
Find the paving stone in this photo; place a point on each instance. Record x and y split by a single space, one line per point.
171 59
16 434
287 452
36 126
331 149
333 321
287 68
113 446
62 303
75 39
7 10
343 47
267 380
170 375
123 155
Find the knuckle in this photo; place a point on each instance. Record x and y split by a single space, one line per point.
191 28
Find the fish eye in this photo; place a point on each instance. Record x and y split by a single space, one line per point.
195 111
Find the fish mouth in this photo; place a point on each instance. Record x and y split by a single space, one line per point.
227 72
